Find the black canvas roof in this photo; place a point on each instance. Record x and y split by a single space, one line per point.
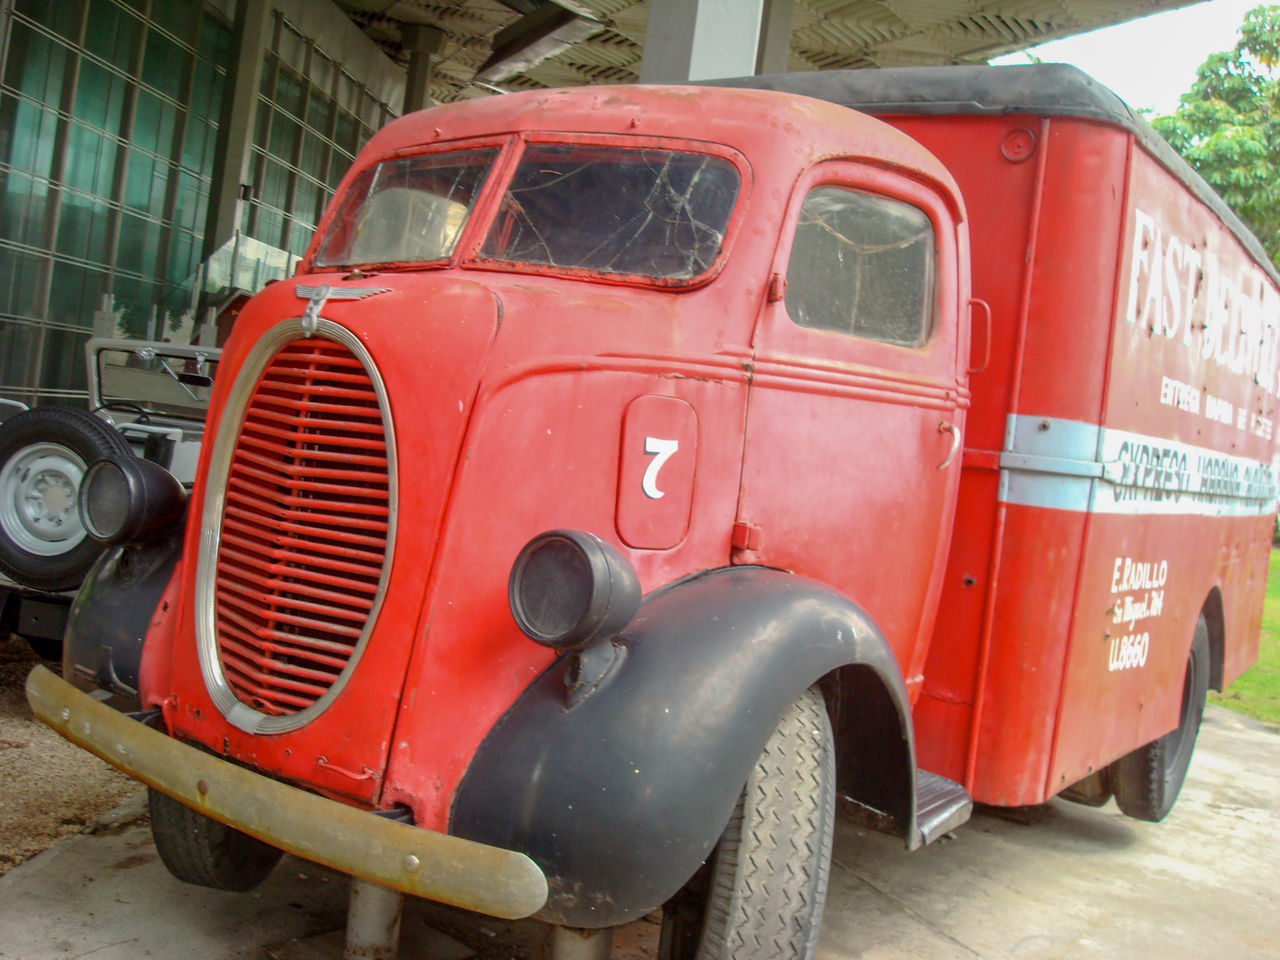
1048 89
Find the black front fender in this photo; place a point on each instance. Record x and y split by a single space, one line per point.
622 796
111 614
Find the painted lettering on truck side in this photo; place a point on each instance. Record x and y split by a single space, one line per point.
1219 307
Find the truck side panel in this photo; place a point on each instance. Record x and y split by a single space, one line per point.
999 195
1062 640
1042 202
1187 438
1050 433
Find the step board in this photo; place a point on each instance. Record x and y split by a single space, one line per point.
941 805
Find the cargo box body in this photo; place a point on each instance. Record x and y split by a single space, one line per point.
1120 454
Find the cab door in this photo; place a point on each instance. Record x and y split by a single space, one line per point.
856 407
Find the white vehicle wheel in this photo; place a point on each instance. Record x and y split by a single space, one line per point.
38 489
44 454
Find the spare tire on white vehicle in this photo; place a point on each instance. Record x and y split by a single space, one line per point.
44 454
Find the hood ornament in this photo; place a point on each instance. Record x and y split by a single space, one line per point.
316 298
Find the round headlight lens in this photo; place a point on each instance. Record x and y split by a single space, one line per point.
104 500
555 588
127 500
568 587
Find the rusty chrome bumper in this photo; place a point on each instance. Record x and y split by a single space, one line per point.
423 863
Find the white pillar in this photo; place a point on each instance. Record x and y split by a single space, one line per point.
700 40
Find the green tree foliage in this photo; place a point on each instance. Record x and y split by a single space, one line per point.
1228 125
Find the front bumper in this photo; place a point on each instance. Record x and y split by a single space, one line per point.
475 876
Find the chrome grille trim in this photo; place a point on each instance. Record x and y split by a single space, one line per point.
236 712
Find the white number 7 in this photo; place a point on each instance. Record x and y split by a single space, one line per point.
662 450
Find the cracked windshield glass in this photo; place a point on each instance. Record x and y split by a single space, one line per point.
649 213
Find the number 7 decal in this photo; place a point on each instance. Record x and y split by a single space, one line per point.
661 450
657 461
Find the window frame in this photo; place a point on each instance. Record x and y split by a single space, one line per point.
936 203
470 254
499 173
921 325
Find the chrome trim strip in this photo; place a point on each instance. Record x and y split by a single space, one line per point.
237 713
1083 467
423 863
1049 462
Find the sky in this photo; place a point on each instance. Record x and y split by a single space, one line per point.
1151 62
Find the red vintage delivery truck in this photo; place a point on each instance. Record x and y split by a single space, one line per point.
632 476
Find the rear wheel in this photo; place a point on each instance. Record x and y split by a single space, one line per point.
202 851
761 895
1147 781
44 454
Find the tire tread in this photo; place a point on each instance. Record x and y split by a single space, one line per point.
773 860
201 851
1148 780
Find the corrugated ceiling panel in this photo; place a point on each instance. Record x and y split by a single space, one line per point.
826 34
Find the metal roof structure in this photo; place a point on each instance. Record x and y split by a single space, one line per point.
602 41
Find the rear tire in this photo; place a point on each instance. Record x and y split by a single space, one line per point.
761 895
1147 781
43 457
197 849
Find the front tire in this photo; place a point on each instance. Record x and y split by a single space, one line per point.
1148 780
761 895
199 850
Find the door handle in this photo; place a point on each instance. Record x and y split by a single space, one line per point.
951 428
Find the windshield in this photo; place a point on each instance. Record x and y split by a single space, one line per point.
153 381
639 212
406 210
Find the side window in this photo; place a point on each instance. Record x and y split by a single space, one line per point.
862 264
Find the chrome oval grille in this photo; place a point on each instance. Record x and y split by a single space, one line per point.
304 528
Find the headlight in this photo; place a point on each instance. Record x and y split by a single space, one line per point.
127 500
568 587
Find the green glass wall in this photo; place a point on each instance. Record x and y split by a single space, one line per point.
312 119
107 127
108 124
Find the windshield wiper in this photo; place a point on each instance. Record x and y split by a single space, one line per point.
185 380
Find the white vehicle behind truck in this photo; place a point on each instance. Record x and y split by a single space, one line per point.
146 399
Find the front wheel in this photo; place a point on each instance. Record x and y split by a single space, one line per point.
760 897
199 850
1147 781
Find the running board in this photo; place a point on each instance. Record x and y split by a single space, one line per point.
941 806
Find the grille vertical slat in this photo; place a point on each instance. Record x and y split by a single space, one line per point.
304 528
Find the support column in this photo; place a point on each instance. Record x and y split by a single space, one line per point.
775 40
700 40
373 922
422 43
235 123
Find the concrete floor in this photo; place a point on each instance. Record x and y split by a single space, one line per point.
1075 883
